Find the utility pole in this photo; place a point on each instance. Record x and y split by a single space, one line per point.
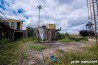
94 19
39 7
93 14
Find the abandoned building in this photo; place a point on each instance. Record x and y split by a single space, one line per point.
47 32
11 29
14 24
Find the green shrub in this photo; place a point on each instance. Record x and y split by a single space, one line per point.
31 32
67 35
60 36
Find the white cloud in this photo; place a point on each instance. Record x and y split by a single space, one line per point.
63 13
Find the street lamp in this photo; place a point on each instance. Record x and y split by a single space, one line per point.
39 7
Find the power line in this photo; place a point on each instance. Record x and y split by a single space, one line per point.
3 14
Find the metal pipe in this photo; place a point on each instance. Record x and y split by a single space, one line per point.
39 18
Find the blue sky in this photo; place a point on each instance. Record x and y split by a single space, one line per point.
71 15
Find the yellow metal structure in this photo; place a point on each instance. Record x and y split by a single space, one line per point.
51 26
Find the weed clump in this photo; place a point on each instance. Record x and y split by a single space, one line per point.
38 47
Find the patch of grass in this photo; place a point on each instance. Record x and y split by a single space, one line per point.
65 58
38 47
85 39
66 40
13 51
31 39
73 39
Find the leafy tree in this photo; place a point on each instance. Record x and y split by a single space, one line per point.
31 31
67 35
60 35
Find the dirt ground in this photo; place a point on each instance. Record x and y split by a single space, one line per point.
52 50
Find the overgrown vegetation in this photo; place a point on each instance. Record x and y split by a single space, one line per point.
60 36
38 47
69 40
13 52
66 40
31 31
90 54
72 38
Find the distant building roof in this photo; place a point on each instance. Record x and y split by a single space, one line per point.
12 20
